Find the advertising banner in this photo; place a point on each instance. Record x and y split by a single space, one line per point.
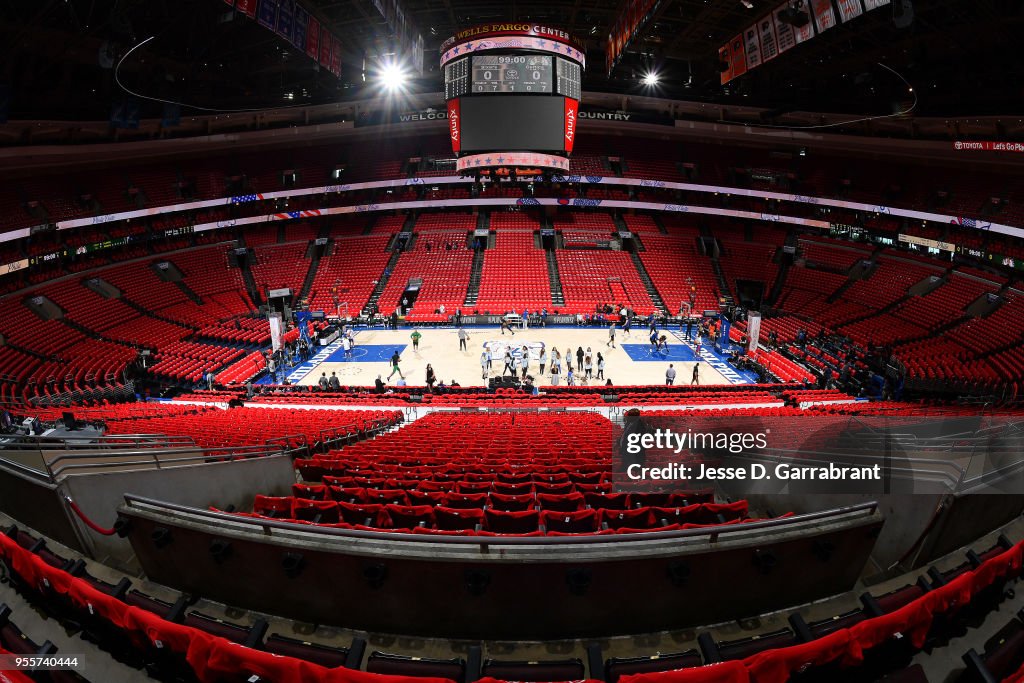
753 330
275 331
455 125
571 109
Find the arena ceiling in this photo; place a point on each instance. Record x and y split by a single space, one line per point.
59 56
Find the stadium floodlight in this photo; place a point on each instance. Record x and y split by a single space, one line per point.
392 76
650 79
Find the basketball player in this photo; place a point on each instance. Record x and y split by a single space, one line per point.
510 363
395 360
485 364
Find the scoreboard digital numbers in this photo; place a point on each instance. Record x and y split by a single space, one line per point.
456 79
512 73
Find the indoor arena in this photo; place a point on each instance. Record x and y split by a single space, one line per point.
579 341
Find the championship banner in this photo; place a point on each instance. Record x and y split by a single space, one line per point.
626 27
849 9
739 57
275 331
326 41
455 125
246 7
725 58
753 330
753 47
571 109
313 38
285 12
267 15
783 31
803 33
874 4
336 57
824 15
301 26
769 46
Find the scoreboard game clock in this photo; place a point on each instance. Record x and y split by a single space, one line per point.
512 73
512 93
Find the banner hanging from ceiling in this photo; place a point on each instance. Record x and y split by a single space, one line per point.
849 9
293 22
246 7
335 67
326 42
824 15
285 13
773 35
725 59
312 45
406 35
630 20
267 14
299 28
766 33
753 47
783 32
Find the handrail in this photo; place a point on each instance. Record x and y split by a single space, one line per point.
713 532
25 471
153 458
94 442
286 441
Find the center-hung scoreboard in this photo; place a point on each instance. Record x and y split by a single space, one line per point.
513 96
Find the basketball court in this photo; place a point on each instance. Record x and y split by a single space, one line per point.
633 361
